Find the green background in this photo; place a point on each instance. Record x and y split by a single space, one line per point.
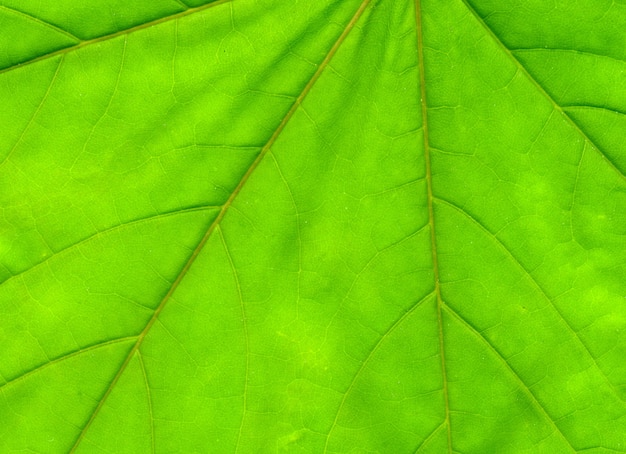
313 226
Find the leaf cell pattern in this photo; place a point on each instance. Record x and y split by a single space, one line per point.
317 226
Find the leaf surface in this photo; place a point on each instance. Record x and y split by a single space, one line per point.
314 226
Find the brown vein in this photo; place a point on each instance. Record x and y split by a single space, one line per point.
110 36
296 104
431 213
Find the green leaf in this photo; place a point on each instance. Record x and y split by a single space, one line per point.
263 226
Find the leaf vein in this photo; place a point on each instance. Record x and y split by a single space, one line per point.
66 356
430 437
431 213
537 286
590 107
149 397
521 382
105 232
108 106
556 49
244 323
299 229
99 39
42 22
244 179
541 89
35 113
369 356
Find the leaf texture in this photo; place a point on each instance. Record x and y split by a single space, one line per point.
325 226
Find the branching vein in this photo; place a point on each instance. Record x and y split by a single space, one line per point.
110 36
431 214
523 385
42 22
542 90
229 202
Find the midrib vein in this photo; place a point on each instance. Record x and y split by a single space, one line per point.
296 104
126 31
431 213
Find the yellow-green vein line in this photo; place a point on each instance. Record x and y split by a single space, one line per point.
106 231
149 398
298 229
526 273
370 262
110 36
305 91
430 437
108 106
541 90
523 385
54 361
35 113
244 323
431 211
182 4
365 362
42 22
